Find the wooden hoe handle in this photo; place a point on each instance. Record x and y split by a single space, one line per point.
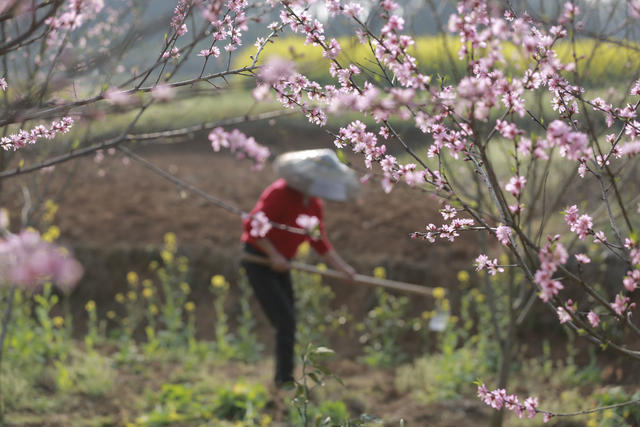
358 278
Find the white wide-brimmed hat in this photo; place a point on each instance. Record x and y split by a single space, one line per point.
318 173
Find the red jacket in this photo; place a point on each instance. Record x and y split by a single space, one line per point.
282 204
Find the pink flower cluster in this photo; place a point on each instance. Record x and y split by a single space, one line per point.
446 231
516 185
27 261
581 225
239 143
483 262
22 137
551 256
503 233
499 398
622 304
74 14
593 318
260 225
563 314
573 145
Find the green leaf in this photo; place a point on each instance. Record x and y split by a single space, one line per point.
341 156
315 378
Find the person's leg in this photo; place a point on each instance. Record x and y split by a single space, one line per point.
275 295
285 339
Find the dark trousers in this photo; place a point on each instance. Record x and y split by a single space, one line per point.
274 291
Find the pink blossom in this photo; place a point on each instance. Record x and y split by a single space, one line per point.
309 223
582 258
352 9
261 92
333 49
27 260
116 97
507 130
621 304
482 392
547 417
599 237
593 318
563 315
571 215
503 233
483 262
240 144
631 280
3 84
530 404
515 185
260 225
276 70
448 212
163 92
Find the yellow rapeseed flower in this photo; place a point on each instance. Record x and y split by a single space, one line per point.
189 306
119 298
58 321
51 208
463 276
445 305
218 281
380 272
265 421
132 278
321 266
147 283
170 238
439 293
147 292
426 315
132 295
51 234
90 305
111 314
153 265
479 297
239 388
304 249
153 309
184 286
167 256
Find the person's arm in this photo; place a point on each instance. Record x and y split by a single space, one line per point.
278 262
336 261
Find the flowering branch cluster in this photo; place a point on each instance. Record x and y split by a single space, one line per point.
499 398
239 143
22 137
26 260
446 231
